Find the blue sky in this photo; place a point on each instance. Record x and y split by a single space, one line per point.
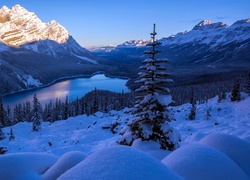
104 22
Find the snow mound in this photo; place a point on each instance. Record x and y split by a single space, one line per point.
120 162
24 166
198 161
67 161
236 149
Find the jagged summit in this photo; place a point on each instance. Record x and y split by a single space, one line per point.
135 43
18 26
205 22
208 24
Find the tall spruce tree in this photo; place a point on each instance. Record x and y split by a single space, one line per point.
37 114
95 105
12 136
2 113
151 115
235 94
192 113
247 86
2 136
66 108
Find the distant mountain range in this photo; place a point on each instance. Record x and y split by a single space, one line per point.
209 44
34 53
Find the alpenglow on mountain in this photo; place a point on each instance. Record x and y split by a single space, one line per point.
20 28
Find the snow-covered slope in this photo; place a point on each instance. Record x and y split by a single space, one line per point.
205 142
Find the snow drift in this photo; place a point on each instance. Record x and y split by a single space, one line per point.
67 161
120 162
236 149
23 166
197 161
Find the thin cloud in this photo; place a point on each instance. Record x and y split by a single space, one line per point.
222 17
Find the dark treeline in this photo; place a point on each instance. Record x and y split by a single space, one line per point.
104 101
208 87
96 100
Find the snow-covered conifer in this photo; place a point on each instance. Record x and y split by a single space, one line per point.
208 114
66 108
151 115
2 113
247 86
235 94
11 134
222 95
37 114
192 113
2 136
9 116
95 106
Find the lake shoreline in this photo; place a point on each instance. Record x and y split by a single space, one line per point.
65 79
73 87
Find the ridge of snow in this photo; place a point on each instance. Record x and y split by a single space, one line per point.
198 161
86 59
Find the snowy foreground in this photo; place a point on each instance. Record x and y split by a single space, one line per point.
85 147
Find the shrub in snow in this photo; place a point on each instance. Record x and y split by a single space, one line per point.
67 161
198 161
151 115
236 149
3 150
120 162
25 165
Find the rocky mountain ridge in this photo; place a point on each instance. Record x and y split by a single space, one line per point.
19 26
34 53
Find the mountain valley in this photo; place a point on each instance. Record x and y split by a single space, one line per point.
213 50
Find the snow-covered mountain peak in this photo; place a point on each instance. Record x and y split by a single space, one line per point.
134 43
4 9
18 9
207 24
18 26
